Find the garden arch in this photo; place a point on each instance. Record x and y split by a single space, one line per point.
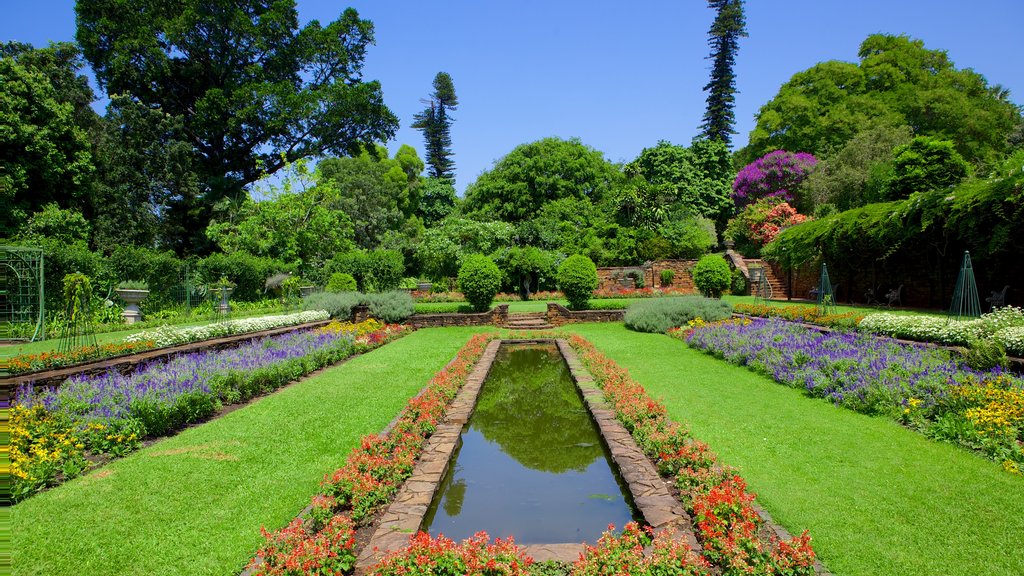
22 306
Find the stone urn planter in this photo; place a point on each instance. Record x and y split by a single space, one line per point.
224 307
131 298
306 290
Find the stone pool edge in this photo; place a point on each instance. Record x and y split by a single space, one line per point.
651 495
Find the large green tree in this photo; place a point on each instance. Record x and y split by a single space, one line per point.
533 174
696 179
254 90
723 38
45 148
896 82
436 122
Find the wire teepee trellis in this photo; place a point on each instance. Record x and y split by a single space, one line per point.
78 330
826 300
965 295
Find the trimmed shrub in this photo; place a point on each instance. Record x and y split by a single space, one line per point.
661 314
341 282
338 305
711 275
739 282
577 278
479 280
391 307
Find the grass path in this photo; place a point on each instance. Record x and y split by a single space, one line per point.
194 503
877 498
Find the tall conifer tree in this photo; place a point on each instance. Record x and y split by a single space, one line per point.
435 122
723 38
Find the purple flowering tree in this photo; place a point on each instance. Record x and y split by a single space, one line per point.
777 174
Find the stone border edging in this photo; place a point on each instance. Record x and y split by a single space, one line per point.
129 361
649 492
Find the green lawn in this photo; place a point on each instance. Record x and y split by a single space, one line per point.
877 498
194 503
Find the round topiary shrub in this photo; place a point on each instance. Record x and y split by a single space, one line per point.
341 282
577 278
711 275
479 280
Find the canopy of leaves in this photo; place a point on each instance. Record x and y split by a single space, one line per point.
985 217
446 245
896 82
533 174
253 90
857 173
45 152
925 164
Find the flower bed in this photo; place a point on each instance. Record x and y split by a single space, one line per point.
110 414
158 338
806 314
1005 325
728 527
919 386
373 471
23 363
172 335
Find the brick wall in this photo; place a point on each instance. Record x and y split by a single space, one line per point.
559 315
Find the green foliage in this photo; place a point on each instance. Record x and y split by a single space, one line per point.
437 201
376 192
298 221
723 38
133 285
898 82
53 222
479 280
527 269
577 279
660 314
249 273
162 271
44 145
253 91
688 236
391 307
533 174
444 246
436 125
925 164
341 282
374 270
712 276
985 354
857 173
985 217
666 277
739 283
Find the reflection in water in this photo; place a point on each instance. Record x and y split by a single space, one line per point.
530 462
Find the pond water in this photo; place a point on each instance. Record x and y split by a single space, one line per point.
530 463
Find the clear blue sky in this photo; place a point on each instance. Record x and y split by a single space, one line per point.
620 76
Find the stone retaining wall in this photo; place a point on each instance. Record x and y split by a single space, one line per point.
559 315
498 316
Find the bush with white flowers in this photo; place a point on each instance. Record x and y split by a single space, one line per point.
172 336
1004 324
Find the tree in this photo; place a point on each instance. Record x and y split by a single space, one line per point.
45 153
723 38
695 179
436 124
533 174
896 82
857 173
437 200
253 90
925 164
376 192
445 245
777 174
298 222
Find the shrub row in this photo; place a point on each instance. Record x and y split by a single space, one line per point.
390 307
659 315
